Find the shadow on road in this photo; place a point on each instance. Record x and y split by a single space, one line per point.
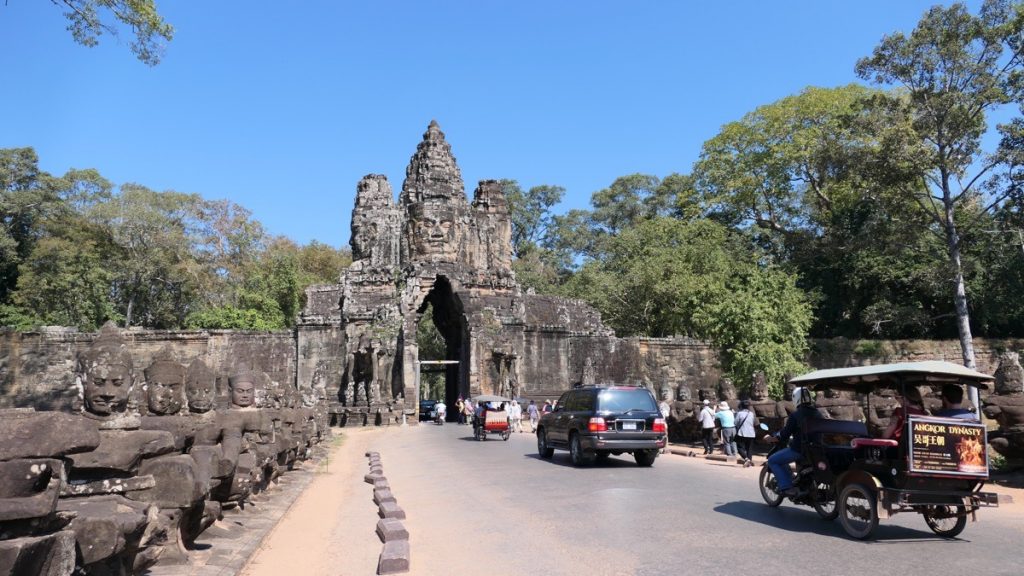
806 521
562 459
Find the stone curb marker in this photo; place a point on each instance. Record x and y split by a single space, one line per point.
394 556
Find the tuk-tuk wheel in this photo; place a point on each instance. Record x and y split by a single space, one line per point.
769 487
943 520
823 497
505 435
858 511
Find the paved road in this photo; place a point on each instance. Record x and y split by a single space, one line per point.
495 507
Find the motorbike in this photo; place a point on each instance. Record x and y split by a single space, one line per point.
439 415
813 487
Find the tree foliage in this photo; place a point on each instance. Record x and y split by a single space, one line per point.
955 68
90 19
666 276
76 251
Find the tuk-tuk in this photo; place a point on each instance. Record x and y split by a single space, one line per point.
936 468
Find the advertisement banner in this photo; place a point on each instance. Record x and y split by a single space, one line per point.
948 447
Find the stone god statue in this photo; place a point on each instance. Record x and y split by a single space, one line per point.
683 417
1006 406
838 405
242 387
105 375
434 232
727 392
165 380
200 387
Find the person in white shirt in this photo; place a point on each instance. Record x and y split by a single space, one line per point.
707 427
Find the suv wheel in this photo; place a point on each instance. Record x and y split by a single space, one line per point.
543 449
645 458
579 456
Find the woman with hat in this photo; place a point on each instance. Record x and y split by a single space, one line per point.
727 419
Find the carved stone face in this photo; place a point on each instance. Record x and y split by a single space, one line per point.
726 389
433 232
243 394
200 393
758 390
164 395
106 387
684 394
364 236
666 393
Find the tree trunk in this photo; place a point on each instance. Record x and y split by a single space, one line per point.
963 315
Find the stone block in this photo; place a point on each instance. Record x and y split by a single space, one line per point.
45 434
29 488
178 484
50 555
383 495
105 525
391 510
371 454
376 469
182 428
381 482
389 529
394 558
372 477
108 486
123 450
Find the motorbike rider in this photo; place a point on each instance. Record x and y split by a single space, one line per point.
441 410
793 432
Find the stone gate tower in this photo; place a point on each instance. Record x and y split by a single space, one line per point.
357 339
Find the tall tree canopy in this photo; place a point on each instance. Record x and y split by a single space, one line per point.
954 69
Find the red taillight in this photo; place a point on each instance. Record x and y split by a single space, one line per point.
597 425
659 426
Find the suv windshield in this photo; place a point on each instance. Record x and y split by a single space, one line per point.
626 399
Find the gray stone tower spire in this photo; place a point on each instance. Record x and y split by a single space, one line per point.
433 175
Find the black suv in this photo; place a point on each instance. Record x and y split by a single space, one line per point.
594 422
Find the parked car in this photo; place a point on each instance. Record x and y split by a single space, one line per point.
427 409
595 422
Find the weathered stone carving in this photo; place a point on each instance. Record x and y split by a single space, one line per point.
683 425
839 405
1006 406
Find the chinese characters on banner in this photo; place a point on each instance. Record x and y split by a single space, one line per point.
950 448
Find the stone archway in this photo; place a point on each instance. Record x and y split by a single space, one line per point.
450 321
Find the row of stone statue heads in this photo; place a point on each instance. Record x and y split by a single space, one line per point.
168 452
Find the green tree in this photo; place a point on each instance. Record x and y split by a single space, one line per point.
150 241
954 68
665 276
90 19
27 196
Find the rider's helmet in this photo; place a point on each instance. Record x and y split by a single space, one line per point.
802 395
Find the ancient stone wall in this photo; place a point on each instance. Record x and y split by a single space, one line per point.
37 368
842 353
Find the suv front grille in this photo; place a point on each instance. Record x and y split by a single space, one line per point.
627 425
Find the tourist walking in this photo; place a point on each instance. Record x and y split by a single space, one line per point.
727 419
665 410
746 425
534 415
515 417
460 410
707 427
467 410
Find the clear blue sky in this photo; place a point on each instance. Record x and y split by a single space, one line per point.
283 106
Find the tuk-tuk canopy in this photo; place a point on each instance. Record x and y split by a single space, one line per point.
866 378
